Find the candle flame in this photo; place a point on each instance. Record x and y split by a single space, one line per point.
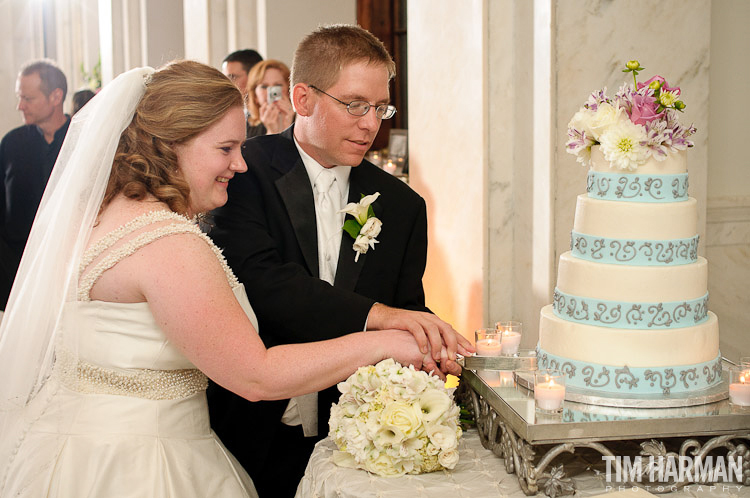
552 382
742 379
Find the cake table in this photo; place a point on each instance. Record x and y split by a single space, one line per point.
533 444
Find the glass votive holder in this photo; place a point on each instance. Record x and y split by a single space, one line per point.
739 386
510 336
549 391
487 342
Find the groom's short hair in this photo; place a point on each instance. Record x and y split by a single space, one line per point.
322 54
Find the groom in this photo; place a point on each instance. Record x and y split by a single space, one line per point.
281 233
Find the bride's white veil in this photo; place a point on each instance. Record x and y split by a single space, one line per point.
48 273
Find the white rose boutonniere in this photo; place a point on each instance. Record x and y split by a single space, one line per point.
365 226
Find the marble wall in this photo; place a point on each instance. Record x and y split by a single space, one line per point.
540 60
728 214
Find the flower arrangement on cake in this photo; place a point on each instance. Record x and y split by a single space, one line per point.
638 123
393 420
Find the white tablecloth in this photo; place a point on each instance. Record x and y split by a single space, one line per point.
479 474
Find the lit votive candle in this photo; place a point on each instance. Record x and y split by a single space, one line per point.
511 336
549 391
390 167
488 342
739 386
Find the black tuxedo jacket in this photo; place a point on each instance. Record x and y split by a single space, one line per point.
268 232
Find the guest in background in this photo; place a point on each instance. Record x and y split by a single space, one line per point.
238 64
80 98
269 78
27 155
281 232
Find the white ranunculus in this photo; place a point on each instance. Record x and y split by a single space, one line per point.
624 145
441 436
371 228
448 458
433 404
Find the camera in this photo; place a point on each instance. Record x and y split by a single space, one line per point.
274 93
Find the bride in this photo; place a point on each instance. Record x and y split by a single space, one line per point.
122 306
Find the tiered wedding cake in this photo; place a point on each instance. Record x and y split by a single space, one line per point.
630 314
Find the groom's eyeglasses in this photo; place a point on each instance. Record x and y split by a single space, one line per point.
360 107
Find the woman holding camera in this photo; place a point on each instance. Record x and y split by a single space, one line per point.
269 108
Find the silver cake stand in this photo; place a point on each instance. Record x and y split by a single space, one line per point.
534 445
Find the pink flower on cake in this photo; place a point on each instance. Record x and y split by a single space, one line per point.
643 109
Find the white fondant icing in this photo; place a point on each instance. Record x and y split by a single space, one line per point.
632 283
674 164
636 220
636 348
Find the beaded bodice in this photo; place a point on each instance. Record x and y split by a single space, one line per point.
180 224
119 348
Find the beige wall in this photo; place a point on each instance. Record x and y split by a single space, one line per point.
728 217
448 151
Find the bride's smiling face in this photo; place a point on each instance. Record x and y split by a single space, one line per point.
209 160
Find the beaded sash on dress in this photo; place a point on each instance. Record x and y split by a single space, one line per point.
82 376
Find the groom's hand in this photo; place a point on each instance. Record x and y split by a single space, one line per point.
433 335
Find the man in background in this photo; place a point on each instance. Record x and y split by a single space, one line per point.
27 155
238 64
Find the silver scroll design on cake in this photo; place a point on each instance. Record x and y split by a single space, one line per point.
625 379
637 188
626 315
634 251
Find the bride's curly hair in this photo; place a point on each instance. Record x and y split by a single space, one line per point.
182 99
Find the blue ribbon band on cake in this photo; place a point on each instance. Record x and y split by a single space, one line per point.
632 380
624 315
638 252
637 188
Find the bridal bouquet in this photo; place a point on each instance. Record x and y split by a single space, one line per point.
392 420
639 122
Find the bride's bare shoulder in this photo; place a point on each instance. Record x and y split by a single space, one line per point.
122 210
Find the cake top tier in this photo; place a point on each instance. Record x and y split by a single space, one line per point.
638 124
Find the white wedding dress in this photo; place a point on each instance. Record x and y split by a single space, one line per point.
128 417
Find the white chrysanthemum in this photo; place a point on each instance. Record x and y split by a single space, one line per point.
605 117
624 145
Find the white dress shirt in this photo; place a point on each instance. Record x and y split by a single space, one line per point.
304 409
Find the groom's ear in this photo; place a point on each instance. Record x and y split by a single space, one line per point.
303 99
